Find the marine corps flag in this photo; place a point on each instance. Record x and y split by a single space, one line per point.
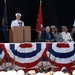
39 23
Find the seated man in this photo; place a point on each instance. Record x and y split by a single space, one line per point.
66 36
17 22
47 36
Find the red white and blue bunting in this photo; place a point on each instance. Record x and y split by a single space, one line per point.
30 54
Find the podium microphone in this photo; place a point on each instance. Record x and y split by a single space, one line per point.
20 23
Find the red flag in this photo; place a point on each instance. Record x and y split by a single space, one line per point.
39 19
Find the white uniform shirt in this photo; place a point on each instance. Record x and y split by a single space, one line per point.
16 23
66 37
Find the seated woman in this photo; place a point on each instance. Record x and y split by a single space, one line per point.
57 35
66 36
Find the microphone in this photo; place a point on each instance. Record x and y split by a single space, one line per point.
20 23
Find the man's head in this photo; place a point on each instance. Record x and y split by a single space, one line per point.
18 16
64 70
47 29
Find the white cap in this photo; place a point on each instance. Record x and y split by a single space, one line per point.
11 72
40 74
18 14
31 72
52 26
3 73
20 72
73 72
58 73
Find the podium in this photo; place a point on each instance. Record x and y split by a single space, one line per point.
18 34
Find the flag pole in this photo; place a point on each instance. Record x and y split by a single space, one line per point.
39 19
40 1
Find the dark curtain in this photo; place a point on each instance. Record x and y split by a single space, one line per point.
59 12
49 13
28 9
1 16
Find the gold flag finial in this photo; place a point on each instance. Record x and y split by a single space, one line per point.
40 1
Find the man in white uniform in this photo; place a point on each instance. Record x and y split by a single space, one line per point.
66 36
17 22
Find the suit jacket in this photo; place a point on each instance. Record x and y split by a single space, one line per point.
45 37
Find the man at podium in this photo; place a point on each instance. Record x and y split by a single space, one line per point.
17 22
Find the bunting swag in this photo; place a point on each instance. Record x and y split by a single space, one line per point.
28 55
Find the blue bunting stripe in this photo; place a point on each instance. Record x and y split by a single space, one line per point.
0 50
61 55
61 60
25 55
63 47
60 65
29 62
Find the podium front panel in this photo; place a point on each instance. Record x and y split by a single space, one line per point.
27 34
19 34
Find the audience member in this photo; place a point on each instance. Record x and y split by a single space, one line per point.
41 69
57 35
58 73
73 72
3 73
47 36
20 72
65 71
67 74
40 74
66 36
11 72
